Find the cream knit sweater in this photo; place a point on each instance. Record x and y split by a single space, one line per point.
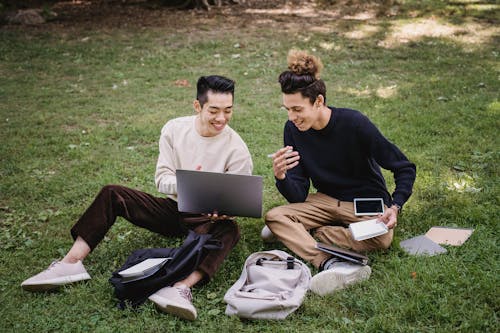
181 147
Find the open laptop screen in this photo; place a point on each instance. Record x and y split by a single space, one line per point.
203 192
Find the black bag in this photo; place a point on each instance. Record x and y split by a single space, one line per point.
185 259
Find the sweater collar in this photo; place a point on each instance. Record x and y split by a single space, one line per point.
330 124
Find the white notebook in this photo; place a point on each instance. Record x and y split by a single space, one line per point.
144 268
367 229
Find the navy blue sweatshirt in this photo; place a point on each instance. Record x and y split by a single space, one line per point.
343 160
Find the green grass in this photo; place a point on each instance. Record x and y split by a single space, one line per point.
77 113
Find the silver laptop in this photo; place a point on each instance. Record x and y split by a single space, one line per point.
203 192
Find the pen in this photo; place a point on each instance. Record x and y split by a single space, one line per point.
272 155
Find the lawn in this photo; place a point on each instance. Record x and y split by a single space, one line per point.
82 107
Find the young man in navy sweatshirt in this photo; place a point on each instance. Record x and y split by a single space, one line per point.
340 151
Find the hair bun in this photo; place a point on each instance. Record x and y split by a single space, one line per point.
303 63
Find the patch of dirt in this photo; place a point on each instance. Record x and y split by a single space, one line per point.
107 14
355 19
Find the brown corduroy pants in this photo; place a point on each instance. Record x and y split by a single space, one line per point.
327 219
159 215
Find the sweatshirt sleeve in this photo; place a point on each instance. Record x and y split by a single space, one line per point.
295 186
240 160
165 179
389 157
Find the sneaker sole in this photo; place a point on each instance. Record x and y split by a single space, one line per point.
55 283
172 309
328 281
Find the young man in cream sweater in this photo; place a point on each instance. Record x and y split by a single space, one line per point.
203 141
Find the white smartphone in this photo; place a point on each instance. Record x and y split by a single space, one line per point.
368 206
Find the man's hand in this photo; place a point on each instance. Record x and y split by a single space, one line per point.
215 217
390 217
284 159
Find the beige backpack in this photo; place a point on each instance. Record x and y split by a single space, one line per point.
272 285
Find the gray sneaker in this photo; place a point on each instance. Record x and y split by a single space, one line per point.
338 275
176 301
58 274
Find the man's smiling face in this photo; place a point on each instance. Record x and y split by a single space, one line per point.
215 114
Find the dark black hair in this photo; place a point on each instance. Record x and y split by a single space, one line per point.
215 83
306 84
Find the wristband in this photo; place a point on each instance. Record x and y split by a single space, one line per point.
398 207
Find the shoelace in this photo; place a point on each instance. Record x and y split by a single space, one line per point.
53 264
185 293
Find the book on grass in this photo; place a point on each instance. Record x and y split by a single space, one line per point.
143 269
421 245
449 235
367 229
348 255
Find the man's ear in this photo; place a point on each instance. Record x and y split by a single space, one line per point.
320 100
197 106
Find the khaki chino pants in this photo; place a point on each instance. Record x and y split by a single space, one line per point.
327 219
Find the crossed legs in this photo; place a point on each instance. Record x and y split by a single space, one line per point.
327 218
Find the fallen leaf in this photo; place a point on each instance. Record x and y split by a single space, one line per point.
211 295
213 312
182 83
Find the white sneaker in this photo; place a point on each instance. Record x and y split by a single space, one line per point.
58 274
267 235
176 301
338 276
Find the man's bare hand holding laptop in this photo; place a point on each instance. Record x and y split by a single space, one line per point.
215 217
